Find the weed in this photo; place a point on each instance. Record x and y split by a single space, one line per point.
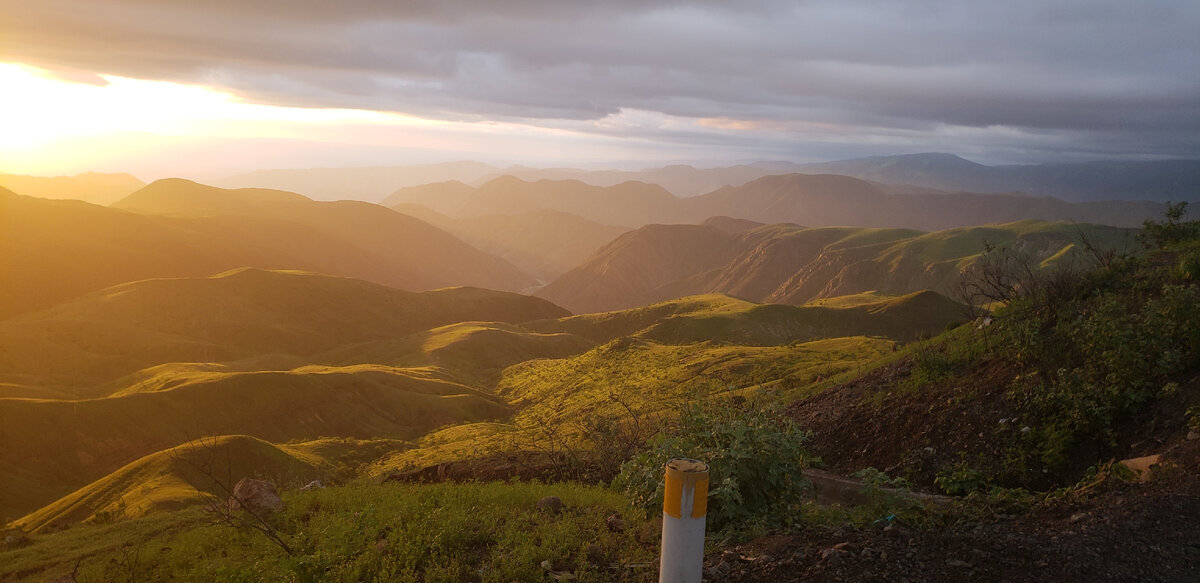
755 457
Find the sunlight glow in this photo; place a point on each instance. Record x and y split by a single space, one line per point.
36 109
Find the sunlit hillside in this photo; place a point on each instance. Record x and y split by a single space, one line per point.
794 265
232 316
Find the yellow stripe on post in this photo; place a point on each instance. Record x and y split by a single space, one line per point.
685 506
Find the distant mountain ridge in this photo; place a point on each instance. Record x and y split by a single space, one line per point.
805 199
93 187
1161 180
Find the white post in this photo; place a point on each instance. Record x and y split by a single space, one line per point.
685 504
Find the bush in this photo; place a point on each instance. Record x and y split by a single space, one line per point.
755 456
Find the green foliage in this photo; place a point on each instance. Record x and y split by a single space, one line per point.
960 479
1105 362
874 479
1172 230
1193 418
941 359
755 456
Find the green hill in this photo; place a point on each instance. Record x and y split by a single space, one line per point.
101 435
789 264
232 316
723 319
176 477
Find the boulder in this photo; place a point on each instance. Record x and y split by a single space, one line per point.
551 504
255 496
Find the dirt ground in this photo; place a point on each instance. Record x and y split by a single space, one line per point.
1133 532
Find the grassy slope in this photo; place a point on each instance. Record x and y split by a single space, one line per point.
558 396
174 478
442 532
101 435
236 315
719 318
795 265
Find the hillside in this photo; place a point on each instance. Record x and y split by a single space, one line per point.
725 320
544 244
235 315
56 250
794 265
173 478
93 187
363 401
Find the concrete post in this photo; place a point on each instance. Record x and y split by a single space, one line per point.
685 505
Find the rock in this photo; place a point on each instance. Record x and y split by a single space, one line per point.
615 523
1193 435
313 485
551 504
255 496
957 563
835 557
1025 430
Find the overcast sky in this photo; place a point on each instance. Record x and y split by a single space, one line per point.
996 81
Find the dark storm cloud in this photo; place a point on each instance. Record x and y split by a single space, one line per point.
1128 72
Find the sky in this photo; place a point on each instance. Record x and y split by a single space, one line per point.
187 88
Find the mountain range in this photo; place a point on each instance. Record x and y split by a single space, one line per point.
53 250
807 199
1150 180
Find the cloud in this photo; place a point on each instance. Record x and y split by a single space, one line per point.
872 68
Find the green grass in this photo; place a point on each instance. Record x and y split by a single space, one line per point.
556 399
444 532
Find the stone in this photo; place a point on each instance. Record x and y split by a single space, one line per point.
615 523
551 504
255 496
313 485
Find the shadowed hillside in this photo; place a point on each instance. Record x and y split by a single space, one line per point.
232 316
794 265
56 250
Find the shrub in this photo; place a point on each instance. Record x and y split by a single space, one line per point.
754 453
